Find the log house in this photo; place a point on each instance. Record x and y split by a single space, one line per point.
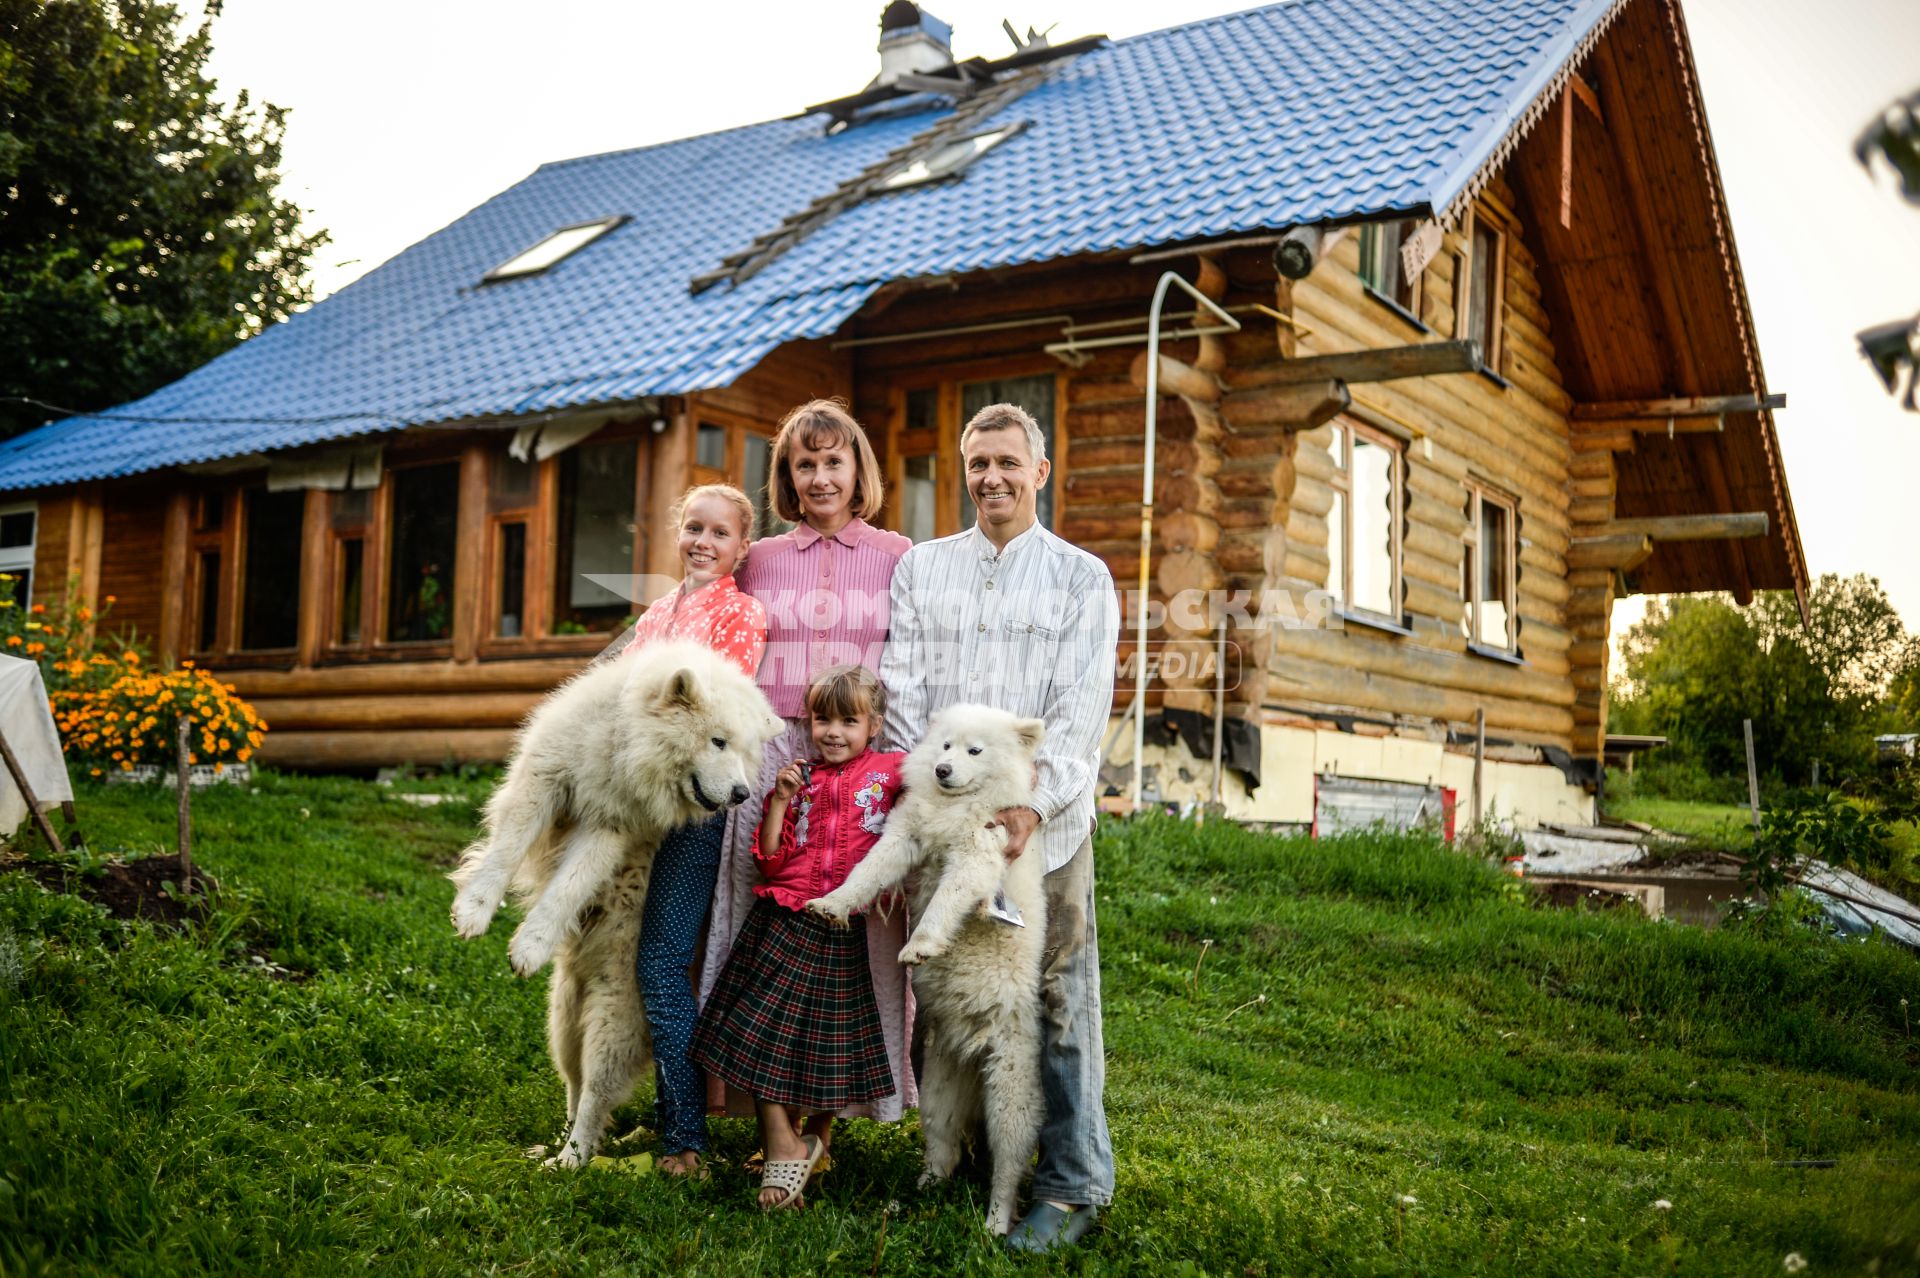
1492 405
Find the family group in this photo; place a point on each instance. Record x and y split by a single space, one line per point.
857 637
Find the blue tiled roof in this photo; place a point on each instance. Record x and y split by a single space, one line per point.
1310 111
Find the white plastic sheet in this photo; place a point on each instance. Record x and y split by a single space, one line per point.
28 725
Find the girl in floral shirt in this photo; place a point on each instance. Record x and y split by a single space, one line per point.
793 1019
713 523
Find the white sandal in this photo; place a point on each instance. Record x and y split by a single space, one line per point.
790 1175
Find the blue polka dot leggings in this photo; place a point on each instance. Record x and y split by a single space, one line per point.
678 895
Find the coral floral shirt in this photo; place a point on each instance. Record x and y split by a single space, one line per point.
717 615
832 823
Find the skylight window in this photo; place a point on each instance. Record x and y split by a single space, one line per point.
946 161
563 243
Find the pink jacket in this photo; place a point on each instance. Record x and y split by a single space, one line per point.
832 823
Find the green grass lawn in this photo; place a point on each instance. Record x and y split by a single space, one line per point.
1715 825
1388 1064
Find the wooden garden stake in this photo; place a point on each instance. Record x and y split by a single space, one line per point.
1479 759
1753 775
19 775
186 816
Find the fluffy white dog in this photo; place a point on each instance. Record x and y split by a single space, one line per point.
978 980
608 764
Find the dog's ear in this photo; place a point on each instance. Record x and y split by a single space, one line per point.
1031 732
682 690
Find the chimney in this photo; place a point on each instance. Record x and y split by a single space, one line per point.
912 40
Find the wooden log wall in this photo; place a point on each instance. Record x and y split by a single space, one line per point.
1514 438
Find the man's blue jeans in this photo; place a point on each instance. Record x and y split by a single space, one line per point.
1076 1153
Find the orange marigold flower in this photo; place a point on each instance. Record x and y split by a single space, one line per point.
126 765
110 598
14 641
39 608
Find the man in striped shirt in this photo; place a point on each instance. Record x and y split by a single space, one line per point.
1009 615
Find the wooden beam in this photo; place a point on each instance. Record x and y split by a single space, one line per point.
316 540
1177 378
1726 527
1566 156
1712 425
1384 364
469 557
173 575
1683 406
1583 93
1296 406
1615 552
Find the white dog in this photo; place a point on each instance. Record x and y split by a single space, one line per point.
608 764
978 980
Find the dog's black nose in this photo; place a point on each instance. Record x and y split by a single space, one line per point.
739 794
943 771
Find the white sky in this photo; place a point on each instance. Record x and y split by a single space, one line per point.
407 113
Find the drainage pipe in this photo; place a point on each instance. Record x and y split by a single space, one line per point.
1146 508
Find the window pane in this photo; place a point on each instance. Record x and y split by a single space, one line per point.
1496 574
758 466
420 581
16 529
1338 447
270 594
1372 551
1337 548
1480 313
352 581
210 511
1469 567
209 601
17 584
917 497
710 446
513 579
1035 394
1380 260
597 534
511 482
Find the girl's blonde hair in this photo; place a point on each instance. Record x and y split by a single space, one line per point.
727 492
842 691
824 423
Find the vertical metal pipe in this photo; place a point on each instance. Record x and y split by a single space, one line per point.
1146 509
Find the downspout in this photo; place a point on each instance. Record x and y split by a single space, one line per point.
1146 508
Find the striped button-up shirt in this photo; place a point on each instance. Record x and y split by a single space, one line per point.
1032 630
826 602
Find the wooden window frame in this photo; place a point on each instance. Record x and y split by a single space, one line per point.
1479 493
942 440
543 538
1341 482
734 469
1500 228
537 512
221 539
1369 238
14 559
371 534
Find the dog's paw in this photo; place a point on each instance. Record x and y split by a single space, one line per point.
928 1178
916 953
471 916
1000 1219
530 950
832 911
570 1158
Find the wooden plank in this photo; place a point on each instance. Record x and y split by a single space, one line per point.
1677 406
469 553
1428 359
1178 378
384 748
1565 111
409 678
1616 552
316 539
173 576
1726 527
1287 406
398 712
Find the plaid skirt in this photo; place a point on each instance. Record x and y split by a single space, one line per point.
792 1017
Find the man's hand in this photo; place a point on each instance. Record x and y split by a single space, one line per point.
1019 823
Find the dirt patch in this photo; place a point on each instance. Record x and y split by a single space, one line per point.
128 889
1567 896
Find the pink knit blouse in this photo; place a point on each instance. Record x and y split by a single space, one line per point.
826 602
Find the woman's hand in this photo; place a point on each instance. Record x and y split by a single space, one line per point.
788 782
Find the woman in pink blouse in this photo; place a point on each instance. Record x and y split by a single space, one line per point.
824 587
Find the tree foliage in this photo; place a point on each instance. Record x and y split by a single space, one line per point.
1696 666
140 229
